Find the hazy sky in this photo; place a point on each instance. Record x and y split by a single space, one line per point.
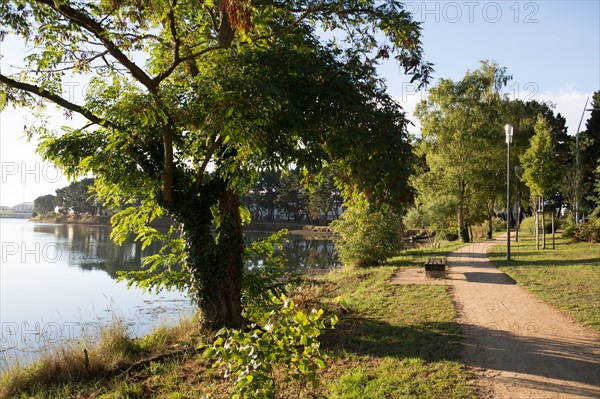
551 48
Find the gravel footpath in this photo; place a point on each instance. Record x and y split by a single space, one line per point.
518 346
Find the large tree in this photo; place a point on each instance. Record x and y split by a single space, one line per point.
462 144
187 100
77 198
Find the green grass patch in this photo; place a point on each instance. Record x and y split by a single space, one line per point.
568 276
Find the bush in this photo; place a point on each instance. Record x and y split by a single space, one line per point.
480 231
289 341
588 231
449 235
528 225
366 237
499 224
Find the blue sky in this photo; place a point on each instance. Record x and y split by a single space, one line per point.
551 48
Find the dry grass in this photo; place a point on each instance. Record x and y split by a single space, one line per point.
81 361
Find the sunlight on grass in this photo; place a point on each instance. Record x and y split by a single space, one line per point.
568 276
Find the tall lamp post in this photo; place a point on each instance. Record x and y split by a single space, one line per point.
509 133
517 170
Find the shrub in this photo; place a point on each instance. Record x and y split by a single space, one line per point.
498 224
588 231
288 340
436 216
479 231
449 235
528 225
570 231
367 237
267 278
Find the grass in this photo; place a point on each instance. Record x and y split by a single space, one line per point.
62 372
392 341
567 277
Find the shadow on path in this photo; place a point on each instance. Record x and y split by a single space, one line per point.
519 352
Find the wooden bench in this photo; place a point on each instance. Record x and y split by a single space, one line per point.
435 267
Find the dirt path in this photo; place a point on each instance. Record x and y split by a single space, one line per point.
518 346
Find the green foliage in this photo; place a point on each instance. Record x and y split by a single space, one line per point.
365 236
588 231
292 196
528 225
595 196
207 88
44 204
589 145
436 217
78 197
498 224
261 196
540 170
288 340
462 144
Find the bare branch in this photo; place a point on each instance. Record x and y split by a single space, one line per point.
55 98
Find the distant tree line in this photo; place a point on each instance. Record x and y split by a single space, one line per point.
291 196
274 196
77 198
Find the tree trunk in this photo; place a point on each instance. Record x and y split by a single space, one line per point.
490 212
215 259
543 225
553 244
537 224
463 230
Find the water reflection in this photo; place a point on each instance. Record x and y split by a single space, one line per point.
90 248
304 254
58 280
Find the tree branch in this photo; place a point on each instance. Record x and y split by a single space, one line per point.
207 158
176 45
38 91
80 18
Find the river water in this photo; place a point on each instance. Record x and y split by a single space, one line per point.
58 283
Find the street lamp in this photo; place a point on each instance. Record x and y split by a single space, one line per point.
517 170
509 133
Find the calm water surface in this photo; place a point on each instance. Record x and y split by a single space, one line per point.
58 283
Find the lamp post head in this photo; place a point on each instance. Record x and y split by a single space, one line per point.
509 133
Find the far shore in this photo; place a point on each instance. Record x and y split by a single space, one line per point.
303 229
